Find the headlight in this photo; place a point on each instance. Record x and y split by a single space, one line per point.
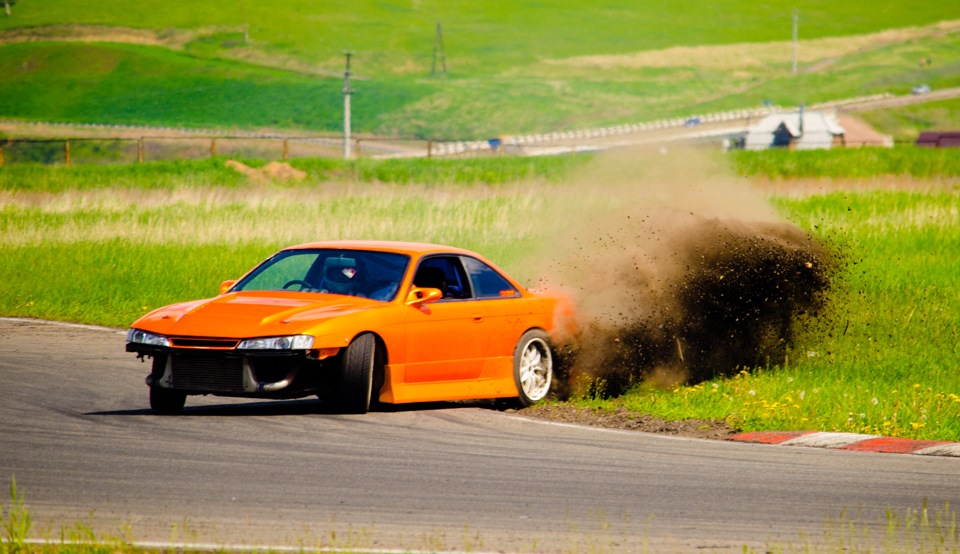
143 337
292 342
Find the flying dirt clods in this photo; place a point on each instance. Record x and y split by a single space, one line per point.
674 282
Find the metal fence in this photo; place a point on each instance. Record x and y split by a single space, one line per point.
86 150
70 151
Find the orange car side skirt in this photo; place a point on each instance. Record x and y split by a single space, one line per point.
497 382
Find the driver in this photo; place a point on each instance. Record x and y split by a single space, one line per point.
341 276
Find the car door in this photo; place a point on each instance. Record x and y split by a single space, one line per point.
505 318
446 339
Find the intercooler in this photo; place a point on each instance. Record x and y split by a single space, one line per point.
207 373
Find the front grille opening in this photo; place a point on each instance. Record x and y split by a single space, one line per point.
183 342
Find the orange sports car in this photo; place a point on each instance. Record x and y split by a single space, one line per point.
355 322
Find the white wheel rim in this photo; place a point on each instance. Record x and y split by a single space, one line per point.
535 370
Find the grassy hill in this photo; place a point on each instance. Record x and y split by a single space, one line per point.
907 122
120 83
521 68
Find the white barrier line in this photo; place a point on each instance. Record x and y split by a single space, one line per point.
63 324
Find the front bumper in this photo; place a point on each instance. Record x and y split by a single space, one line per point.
251 373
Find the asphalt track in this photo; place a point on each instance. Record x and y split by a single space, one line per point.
75 432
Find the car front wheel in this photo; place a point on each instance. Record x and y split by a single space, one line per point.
533 367
357 374
166 401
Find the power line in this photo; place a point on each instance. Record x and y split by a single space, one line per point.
796 25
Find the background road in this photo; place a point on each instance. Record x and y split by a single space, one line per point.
76 434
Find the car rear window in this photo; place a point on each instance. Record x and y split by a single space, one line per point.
487 283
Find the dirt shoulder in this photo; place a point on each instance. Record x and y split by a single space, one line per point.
626 420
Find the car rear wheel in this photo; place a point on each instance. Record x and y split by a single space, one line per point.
357 374
533 367
166 401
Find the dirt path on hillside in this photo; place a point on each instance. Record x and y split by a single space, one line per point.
858 132
171 38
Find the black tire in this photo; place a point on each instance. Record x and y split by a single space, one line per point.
533 367
357 375
166 401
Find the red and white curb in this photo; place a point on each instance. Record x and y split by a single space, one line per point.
851 441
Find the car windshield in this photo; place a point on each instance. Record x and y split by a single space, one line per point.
362 273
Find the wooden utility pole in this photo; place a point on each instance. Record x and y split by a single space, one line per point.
346 107
246 28
438 52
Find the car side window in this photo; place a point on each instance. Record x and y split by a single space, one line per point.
487 283
445 273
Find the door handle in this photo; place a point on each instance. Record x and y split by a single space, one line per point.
477 318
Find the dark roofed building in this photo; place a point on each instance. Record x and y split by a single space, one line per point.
939 139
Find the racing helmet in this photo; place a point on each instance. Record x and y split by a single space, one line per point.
341 275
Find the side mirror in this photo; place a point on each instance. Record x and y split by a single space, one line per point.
225 286
418 296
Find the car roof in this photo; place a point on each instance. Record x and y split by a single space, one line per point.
385 246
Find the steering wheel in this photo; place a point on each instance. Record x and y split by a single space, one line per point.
303 284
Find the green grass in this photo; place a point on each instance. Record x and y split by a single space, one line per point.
111 247
153 175
848 163
490 171
135 85
511 69
904 124
15 523
480 38
189 174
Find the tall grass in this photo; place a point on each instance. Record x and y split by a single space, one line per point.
16 522
849 163
940 166
152 175
106 257
490 171
191 174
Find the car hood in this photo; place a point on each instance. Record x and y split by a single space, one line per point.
252 314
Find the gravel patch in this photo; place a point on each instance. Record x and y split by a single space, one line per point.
624 419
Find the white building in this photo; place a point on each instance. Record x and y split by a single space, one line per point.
800 130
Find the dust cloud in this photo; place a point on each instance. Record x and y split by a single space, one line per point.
677 271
